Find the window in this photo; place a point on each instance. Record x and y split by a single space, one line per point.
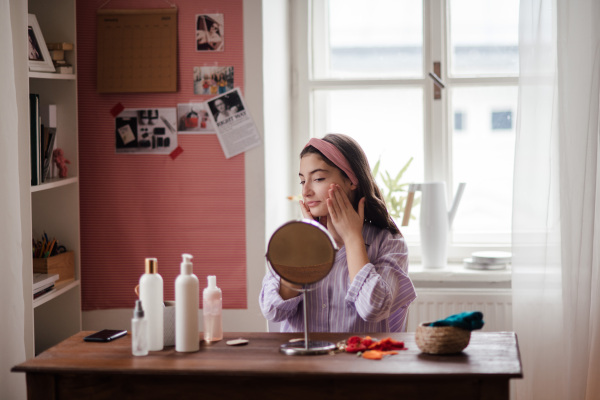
363 69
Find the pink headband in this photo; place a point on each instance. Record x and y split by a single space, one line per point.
334 155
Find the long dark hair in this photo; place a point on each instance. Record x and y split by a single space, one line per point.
376 211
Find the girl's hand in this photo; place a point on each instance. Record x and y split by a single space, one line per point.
346 221
305 211
348 225
286 289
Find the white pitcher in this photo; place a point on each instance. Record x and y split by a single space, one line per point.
435 220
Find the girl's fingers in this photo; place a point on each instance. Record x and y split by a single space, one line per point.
305 211
342 198
331 209
333 202
339 199
339 206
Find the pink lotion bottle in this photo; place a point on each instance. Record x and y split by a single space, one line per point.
212 304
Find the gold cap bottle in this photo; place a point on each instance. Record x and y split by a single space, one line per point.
151 265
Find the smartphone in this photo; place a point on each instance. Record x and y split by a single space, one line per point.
105 335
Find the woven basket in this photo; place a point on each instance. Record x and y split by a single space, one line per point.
441 339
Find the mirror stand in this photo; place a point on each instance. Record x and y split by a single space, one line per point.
302 253
306 347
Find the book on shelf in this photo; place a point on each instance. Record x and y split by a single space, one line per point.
48 147
40 280
43 291
42 139
49 116
35 127
43 283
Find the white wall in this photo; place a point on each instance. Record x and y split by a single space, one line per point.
271 58
280 168
18 10
16 334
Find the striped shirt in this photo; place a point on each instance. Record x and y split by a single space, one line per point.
377 300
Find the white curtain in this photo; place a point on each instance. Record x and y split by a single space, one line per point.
556 209
12 347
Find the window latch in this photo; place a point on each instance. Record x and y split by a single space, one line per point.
438 85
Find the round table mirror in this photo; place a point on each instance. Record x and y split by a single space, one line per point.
302 252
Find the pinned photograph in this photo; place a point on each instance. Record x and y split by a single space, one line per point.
210 32
38 55
235 127
213 80
224 108
194 118
146 131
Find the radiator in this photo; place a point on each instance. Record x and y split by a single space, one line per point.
434 304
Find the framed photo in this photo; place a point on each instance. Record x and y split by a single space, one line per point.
39 57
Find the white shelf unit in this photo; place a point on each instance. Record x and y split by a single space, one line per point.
55 203
48 75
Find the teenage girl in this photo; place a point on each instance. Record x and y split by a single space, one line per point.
368 289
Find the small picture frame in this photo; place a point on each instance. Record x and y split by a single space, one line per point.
39 56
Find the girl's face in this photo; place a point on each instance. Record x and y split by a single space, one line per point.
316 176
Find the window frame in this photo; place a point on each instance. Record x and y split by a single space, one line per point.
437 114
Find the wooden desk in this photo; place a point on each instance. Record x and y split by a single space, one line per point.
75 369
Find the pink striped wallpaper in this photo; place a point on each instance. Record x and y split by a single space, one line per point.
137 206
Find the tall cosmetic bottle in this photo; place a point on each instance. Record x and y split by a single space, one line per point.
187 305
151 295
139 331
212 306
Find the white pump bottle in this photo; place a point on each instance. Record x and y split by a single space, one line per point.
151 295
187 304
212 306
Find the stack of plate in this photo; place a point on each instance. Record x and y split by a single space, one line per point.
488 260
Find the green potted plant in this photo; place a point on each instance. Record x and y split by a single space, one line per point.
393 190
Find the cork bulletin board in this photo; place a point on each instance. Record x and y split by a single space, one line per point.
137 50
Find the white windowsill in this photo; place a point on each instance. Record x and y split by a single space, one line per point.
457 276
